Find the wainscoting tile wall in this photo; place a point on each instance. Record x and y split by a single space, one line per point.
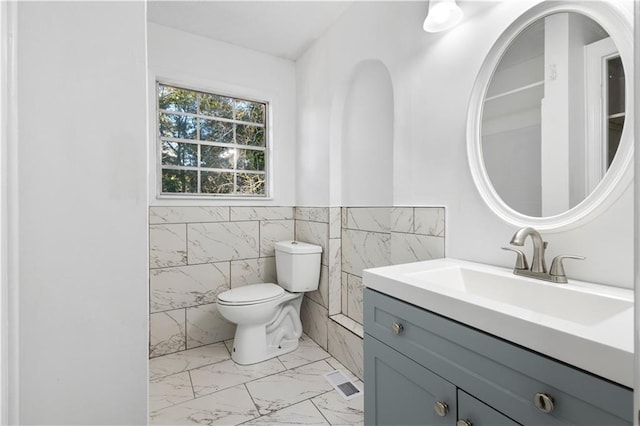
312 226
195 253
360 238
423 241
382 236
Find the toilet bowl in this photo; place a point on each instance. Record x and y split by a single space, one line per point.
267 315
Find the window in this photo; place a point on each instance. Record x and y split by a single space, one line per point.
605 107
211 144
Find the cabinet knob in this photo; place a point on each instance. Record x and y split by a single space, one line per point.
464 422
441 408
397 328
543 402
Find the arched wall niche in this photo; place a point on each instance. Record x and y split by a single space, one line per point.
362 134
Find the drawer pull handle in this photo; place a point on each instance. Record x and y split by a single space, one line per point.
397 328
543 402
441 408
464 422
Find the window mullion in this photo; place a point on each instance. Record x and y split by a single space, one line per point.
184 99
198 137
235 183
235 150
197 120
199 164
211 117
210 143
211 169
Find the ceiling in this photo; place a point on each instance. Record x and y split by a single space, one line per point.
280 28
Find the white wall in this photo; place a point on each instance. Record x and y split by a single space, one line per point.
636 100
7 115
433 75
82 204
556 107
182 58
517 181
581 34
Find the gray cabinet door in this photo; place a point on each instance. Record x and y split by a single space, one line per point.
479 413
398 391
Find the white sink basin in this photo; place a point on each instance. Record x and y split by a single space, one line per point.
587 325
556 300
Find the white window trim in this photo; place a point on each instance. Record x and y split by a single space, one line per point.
169 76
596 55
199 195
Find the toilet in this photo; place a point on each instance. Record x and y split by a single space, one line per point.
268 315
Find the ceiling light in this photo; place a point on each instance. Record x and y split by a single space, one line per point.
443 14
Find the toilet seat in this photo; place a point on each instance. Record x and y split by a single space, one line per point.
251 294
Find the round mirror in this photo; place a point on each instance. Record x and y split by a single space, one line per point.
548 142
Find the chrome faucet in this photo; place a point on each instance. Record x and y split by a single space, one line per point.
538 265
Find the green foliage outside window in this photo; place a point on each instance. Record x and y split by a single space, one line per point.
211 144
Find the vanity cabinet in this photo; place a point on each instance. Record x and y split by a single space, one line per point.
415 359
406 393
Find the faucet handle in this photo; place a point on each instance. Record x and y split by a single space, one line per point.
557 268
521 260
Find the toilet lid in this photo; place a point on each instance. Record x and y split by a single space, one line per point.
251 294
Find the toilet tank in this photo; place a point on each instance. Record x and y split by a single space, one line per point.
298 266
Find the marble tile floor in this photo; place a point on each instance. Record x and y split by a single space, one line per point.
204 386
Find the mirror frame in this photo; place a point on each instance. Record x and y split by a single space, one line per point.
618 22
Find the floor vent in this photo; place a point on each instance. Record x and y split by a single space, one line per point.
343 385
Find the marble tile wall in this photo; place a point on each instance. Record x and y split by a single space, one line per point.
417 233
353 239
380 236
366 241
315 225
195 253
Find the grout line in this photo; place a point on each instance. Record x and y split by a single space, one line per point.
325 360
186 233
287 406
252 380
318 408
282 363
238 384
413 220
307 362
252 400
185 308
193 391
259 238
227 347
186 336
175 403
189 370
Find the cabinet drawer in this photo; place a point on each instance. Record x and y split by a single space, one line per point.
479 414
499 373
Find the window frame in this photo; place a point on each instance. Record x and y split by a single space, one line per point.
266 149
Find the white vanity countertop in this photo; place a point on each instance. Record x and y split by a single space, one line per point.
601 344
